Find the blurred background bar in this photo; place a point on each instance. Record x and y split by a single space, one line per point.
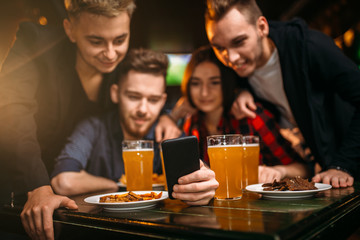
176 27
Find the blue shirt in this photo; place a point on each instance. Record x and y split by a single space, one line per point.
95 146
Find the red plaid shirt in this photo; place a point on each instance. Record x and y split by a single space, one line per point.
274 149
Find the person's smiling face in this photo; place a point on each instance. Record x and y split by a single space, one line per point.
102 42
205 87
141 97
237 43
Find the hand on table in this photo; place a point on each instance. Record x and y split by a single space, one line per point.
37 215
269 174
336 178
244 106
166 129
196 188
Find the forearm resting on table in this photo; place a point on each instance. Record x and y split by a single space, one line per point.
293 170
73 183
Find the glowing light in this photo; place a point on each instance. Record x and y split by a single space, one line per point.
349 37
42 20
338 41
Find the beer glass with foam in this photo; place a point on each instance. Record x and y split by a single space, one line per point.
225 155
251 151
138 158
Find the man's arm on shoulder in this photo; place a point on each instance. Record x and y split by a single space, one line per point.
166 129
244 105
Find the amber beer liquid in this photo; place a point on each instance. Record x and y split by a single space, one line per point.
226 162
138 168
250 164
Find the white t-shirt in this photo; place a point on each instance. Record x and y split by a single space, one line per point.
267 83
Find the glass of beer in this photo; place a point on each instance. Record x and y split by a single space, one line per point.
251 151
225 155
138 156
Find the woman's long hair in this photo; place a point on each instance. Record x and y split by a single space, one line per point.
228 76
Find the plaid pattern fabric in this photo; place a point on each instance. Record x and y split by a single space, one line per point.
274 149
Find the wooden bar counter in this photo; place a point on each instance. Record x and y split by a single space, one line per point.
331 214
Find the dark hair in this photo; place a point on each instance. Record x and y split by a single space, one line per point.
228 76
216 9
143 61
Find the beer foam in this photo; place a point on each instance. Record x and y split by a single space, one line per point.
139 150
222 146
237 145
250 145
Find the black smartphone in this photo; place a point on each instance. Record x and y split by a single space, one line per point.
181 157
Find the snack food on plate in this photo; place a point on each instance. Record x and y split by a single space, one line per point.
129 197
291 184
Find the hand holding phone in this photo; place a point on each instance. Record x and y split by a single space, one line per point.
181 157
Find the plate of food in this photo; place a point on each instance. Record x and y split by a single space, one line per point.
158 181
289 188
125 201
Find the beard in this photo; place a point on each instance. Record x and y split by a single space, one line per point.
133 132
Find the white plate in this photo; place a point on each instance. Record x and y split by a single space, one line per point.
257 188
126 206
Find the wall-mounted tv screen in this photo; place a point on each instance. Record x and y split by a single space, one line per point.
177 65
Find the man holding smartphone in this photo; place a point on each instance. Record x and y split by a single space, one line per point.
92 159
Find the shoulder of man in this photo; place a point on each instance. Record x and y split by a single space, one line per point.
285 25
291 37
34 36
295 29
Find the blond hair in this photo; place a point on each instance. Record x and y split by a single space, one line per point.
108 8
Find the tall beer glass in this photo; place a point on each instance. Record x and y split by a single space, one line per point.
225 155
251 151
138 158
